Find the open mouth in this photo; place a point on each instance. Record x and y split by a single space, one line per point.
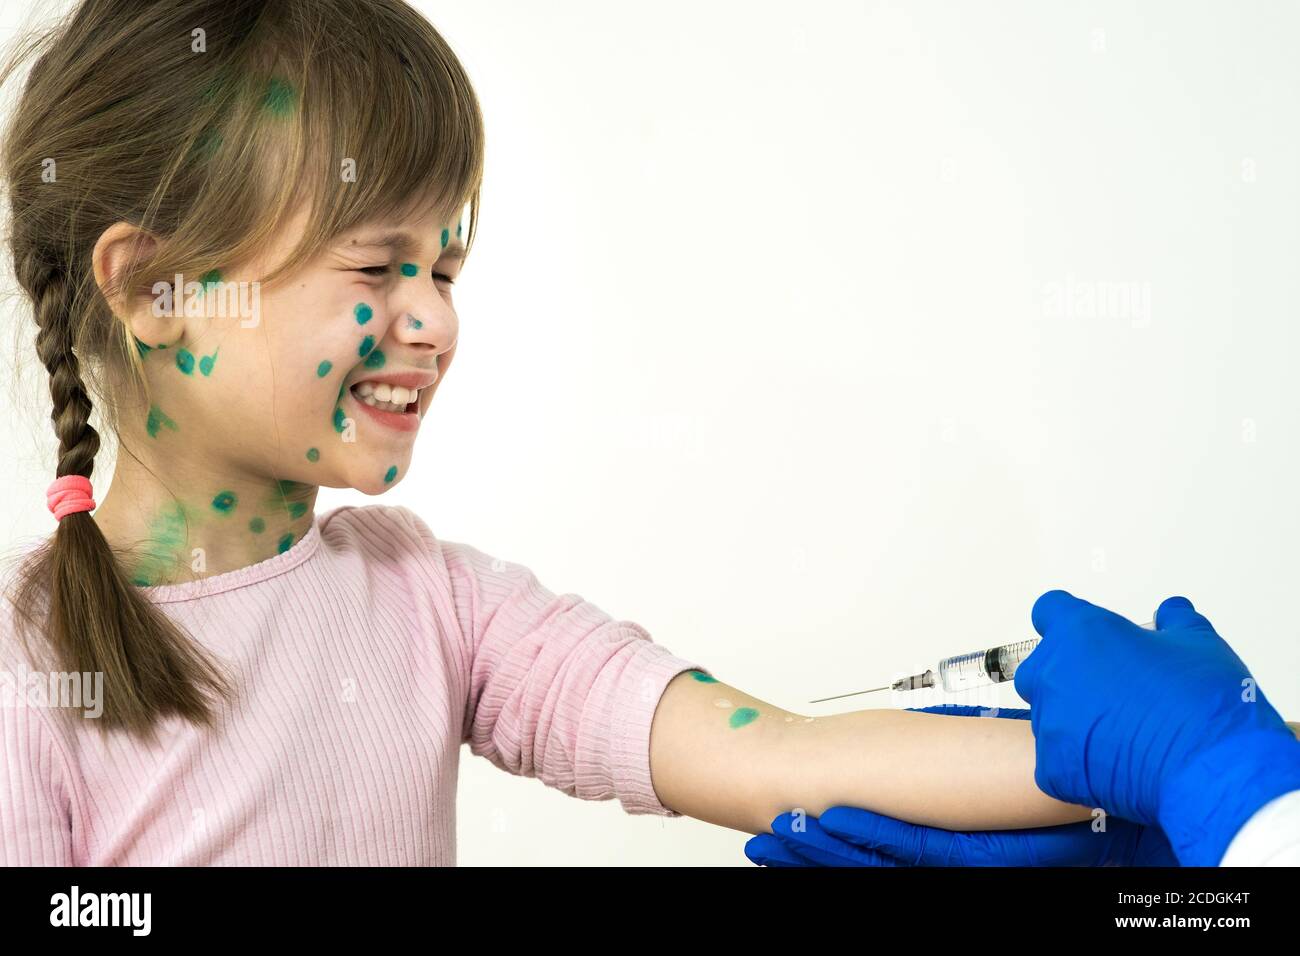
388 398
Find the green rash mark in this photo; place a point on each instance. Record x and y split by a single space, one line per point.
338 419
742 716
457 230
413 323
206 363
288 488
375 359
323 368
410 269
257 526
390 474
185 361
210 278
279 98
363 313
285 542
142 348
367 344
702 677
446 236
163 547
297 509
158 419
313 454
224 502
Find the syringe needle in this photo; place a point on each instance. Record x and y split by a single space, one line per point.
854 694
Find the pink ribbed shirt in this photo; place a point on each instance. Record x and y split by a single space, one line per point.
362 658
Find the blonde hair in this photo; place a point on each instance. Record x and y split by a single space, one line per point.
206 123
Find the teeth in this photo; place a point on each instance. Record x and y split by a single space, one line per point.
381 395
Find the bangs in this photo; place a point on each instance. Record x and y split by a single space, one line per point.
356 111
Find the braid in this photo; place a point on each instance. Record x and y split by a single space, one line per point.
78 441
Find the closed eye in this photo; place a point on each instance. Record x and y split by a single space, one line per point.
382 270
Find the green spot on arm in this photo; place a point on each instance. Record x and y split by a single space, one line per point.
742 716
702 677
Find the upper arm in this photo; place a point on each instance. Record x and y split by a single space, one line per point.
35 814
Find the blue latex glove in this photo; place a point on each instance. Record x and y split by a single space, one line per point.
848 836
1157 727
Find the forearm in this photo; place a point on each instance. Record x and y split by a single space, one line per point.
954 772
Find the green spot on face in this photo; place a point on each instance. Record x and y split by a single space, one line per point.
445 237
225 501
285 542
457 230
390 474
363 313
158 419
375 359
142 348
257 526
409 269
279 98
702 677
338 419
297 509
413 322
742 716
367 344
185 361
313 454
206 363
323 368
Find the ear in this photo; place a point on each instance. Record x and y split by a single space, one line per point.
120 245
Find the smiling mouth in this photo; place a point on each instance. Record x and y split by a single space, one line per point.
388 398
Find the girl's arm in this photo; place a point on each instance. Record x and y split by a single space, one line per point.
722 756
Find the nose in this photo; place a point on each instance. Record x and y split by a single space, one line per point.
423 319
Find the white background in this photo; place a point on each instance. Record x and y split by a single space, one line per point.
759 350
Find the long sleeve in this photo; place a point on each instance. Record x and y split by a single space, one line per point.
558 689
35 819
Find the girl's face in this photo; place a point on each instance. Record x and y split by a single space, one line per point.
322 379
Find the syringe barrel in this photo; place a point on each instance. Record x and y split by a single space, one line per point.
980 668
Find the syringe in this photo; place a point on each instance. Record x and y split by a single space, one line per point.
976 669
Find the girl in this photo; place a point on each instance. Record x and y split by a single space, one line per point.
239 223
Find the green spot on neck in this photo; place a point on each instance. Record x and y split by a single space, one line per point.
185 361
702 677
313 454
224 502
375 359
142 348
367 344
158 419
742 716
257 526
390 474
410 269
285 542
206 363
279 97
363 313
323 368
297 509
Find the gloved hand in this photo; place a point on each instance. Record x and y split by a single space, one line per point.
848 836
1162 727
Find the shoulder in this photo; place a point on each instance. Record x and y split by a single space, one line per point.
395 533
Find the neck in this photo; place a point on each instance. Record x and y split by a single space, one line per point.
171 522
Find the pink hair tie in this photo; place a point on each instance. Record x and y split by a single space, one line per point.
68 495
